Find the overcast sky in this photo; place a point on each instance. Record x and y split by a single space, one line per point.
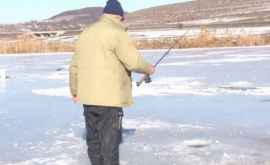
14 11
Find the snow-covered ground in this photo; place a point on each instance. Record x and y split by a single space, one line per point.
214 20
191 32
204 106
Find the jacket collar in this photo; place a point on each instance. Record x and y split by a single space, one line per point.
110 19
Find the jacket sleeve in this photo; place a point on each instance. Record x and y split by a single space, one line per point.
129 56
73 75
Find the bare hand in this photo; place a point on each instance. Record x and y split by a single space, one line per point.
75 99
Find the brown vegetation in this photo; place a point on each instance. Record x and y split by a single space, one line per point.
29 44
205 39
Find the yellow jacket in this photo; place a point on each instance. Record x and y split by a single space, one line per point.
100 70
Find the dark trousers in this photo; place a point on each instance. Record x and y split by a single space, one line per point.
103 134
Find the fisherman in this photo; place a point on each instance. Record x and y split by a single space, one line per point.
100 80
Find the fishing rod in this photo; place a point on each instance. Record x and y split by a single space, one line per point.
146 78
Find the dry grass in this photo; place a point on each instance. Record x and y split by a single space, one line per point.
205 39
29 44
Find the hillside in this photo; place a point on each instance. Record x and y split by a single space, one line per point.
204 12
69 20
81 16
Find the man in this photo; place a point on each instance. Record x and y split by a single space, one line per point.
100 79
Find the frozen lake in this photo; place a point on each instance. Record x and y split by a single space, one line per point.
204 106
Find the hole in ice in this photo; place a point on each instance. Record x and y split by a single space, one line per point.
197 143
239 86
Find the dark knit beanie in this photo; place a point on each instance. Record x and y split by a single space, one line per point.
114 7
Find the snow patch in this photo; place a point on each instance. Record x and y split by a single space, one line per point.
3 75
63 160
60 92
234 60
243 88
144 124
58 76
175 86
191 86
172 86
242 84
2 79
217 61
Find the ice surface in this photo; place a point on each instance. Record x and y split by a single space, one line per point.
204 106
